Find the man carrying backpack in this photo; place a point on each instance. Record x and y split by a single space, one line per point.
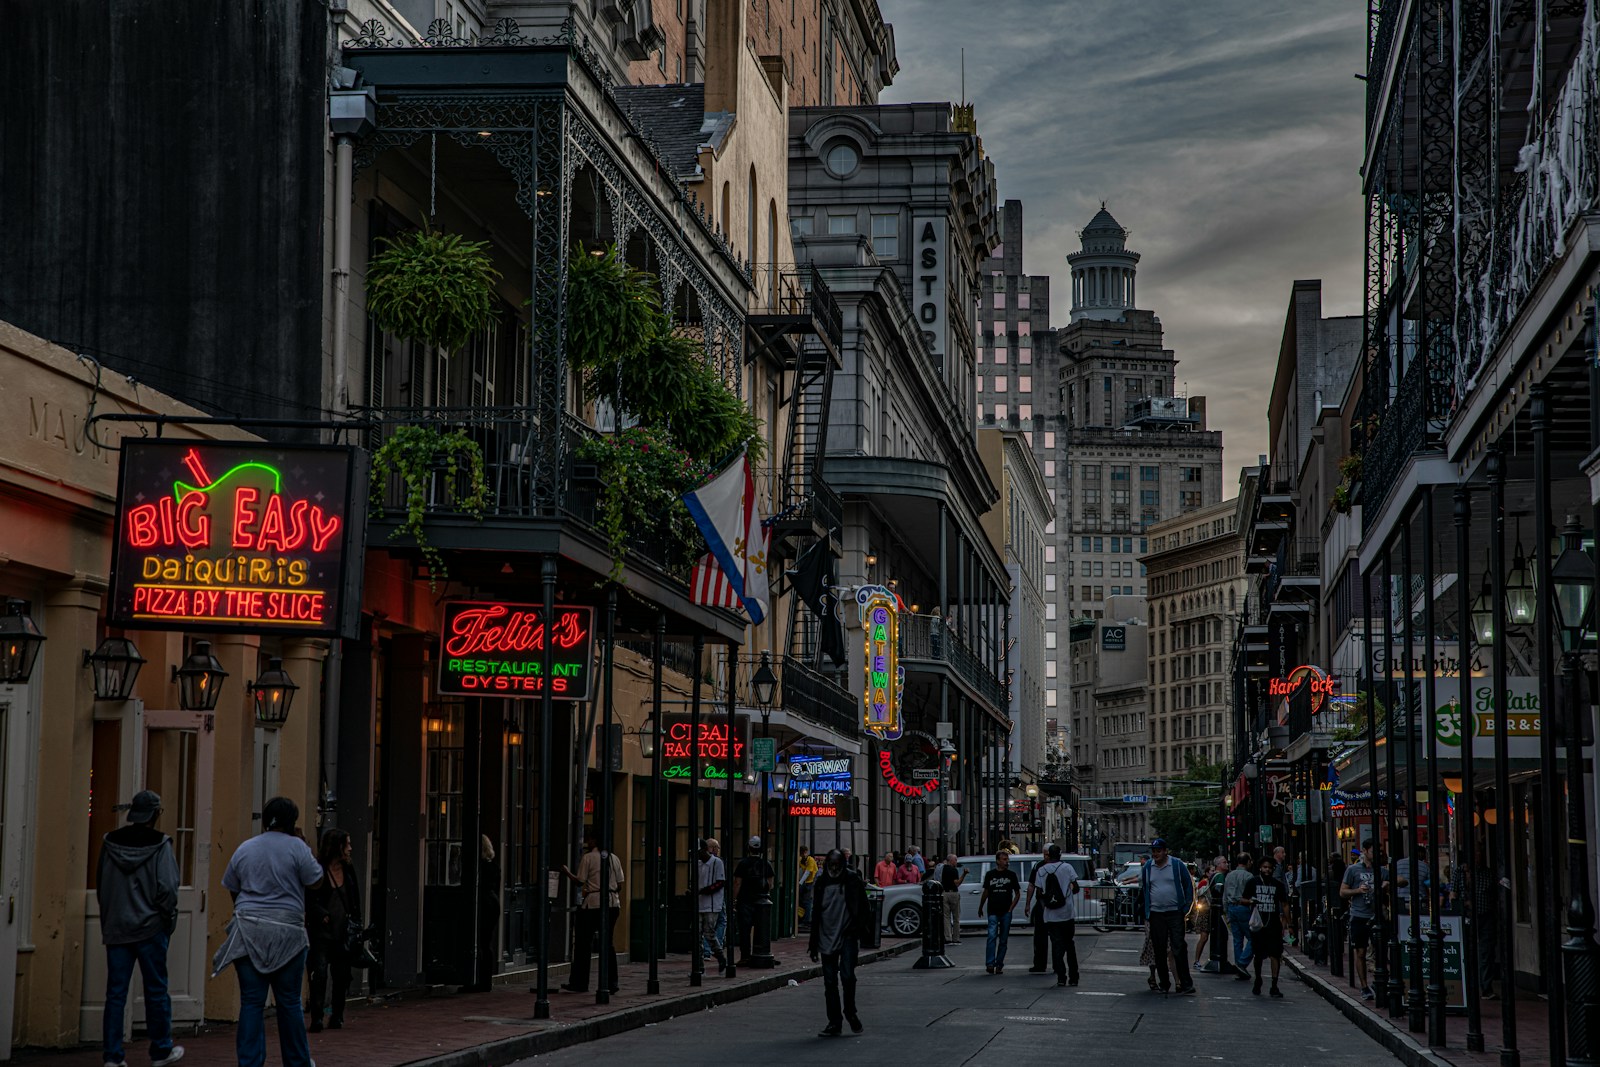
1056 884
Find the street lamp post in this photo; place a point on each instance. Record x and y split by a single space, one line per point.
1573 578
765 683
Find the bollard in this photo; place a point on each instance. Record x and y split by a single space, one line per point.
933 956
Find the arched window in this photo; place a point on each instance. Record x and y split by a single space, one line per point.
772 253
750 222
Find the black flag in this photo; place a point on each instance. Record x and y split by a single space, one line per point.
814 579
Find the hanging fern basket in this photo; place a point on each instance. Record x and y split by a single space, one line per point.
430 287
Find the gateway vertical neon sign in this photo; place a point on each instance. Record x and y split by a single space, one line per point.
885 678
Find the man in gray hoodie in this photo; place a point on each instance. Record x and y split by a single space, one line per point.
138 891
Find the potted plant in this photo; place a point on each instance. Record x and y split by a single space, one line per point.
432 288
430 462
642 477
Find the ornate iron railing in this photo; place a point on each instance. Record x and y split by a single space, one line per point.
1403 430
928 637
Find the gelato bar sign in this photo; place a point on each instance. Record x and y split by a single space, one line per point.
230 536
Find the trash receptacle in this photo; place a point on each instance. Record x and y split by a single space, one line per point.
875 902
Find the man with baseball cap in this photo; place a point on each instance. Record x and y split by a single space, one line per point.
1168 892
137 886
751 878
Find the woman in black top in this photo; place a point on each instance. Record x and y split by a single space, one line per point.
1270 899
331 907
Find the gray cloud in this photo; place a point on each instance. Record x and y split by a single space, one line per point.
1226 135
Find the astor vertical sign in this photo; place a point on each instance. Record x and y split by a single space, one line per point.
931 276
236 536
498 650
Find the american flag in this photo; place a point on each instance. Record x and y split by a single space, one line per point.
710 587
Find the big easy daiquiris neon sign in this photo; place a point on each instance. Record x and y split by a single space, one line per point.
236 536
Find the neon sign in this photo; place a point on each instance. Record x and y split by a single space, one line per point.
234 536
715 739
885 678
1321 686
498 650
816 783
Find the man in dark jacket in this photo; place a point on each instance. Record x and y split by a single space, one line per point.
841 917
137 888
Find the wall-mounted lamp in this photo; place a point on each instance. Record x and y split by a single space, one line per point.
273 694
114 667
20 638
199 679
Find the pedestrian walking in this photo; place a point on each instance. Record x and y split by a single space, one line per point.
951 875
752 877
1055 885
886 871
333 921
1479 894
1268 898
586 924
908 874
1412 874
1002 891
486 954
266 940
843 921
1359 889
1210 891
711 882
714 847
805 877
1238 915
137 887
1280 863
1168 891
916 857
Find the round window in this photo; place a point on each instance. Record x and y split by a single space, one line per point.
842 158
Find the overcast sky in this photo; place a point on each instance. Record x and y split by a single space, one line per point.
1226 135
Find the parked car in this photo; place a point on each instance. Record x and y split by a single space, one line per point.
902 904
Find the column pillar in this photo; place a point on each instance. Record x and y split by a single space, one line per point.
54 969
233 810
300 738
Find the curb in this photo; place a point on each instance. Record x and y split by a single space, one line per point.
1395 1040
540 1042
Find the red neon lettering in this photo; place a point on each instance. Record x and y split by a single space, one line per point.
168 523
142 526
322 531
273 536
495 628
297 524
243 515
194 526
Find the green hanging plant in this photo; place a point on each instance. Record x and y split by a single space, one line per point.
613 311
643 477
416 454
431 287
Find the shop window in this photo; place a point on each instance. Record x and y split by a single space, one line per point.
444 730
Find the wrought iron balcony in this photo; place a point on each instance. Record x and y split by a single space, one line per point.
801 691
1405 428
928 637
515 448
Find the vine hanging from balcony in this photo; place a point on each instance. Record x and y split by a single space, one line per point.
642 477
430 463
431 287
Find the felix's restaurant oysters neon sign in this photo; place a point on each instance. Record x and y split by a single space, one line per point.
494 649
233 536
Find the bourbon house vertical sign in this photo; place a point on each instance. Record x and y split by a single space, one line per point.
249 537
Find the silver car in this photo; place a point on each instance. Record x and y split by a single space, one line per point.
902 904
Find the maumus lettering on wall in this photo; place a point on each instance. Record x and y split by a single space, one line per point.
235 536
494 649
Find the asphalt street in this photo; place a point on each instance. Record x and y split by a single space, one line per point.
1111 1018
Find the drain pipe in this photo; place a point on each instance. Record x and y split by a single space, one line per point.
352 113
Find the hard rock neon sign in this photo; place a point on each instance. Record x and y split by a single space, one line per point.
1321 688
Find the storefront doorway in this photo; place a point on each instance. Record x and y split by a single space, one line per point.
13 739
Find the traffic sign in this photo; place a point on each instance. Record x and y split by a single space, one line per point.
764 754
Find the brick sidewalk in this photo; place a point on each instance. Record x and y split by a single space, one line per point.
1394 1033
446 1029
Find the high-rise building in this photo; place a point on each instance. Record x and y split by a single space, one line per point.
1197 585
1132 451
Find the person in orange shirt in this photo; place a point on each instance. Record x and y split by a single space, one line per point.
886 870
